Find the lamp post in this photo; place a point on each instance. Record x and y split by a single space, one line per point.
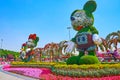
1 47
69 32
1 43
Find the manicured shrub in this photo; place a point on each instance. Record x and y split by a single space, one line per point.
72 60
88 60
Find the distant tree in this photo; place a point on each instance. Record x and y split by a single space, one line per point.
5 53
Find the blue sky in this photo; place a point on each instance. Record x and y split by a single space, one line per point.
49 19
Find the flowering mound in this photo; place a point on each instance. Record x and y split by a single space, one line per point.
2 63
46 74
45 71
6 66
54 77
31 72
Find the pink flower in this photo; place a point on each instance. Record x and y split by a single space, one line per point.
45 74
6 66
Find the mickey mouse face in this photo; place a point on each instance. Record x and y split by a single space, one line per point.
83 18
80 20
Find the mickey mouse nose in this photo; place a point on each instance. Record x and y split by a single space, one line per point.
72 18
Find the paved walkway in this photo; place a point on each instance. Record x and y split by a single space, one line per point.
4 75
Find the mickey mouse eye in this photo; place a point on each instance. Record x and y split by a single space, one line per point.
78 15
72 18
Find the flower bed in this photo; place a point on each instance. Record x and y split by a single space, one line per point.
31 72
64 66
26 71
33 64
78 71
88 73
96 70
54 77
45 74
86 67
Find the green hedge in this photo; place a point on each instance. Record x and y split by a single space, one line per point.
88 73
88 60
72 60
82 60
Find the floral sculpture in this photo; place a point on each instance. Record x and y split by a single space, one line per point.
27 48
87 37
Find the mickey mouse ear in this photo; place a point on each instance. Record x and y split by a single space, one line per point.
90 6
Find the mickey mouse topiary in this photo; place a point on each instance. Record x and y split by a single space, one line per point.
87 37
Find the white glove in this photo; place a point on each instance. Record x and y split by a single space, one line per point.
23 54
96 39
70 46
27 50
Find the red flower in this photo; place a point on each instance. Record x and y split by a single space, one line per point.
32 36
24 44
